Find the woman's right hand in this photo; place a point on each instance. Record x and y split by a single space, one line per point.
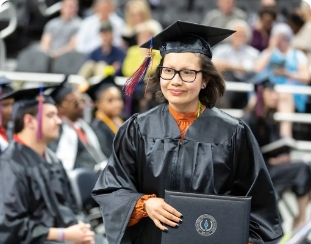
162 213
79 233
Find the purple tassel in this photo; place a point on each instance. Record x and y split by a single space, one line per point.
39 116
139 76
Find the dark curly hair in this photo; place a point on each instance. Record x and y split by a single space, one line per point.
208 96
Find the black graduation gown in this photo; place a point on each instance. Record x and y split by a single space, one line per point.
34 196
104 134
295 176
219 155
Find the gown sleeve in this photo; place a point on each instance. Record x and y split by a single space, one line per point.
251 178
15 224
116 189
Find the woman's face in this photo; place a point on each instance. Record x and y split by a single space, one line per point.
270 98
282 43
110 102
136 15
180 94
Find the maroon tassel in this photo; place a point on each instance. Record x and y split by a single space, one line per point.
139 76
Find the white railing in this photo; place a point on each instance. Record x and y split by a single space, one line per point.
10 8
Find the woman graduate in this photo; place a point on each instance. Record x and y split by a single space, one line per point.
185 144
108 101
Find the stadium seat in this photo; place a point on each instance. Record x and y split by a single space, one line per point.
31 60
69 63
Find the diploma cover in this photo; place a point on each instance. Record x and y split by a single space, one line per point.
208 219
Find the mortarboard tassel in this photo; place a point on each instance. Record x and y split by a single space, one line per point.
259 104
138 77
39 116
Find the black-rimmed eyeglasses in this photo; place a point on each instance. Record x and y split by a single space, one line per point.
187 75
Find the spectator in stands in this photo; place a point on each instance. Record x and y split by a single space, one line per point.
136 13
237 59
77 146
6 112
109 106
88 37
37 204
285 65
59 35
302 40
262 30
295 22
135 55
284 173
106 54
224 14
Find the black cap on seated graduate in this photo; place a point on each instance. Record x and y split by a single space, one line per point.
95 90
61 91
259 87
5 85
181 37
27 98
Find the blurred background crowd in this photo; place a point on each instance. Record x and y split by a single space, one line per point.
95 38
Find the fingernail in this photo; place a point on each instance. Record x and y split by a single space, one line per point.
180 221
166 230
181 216
177 225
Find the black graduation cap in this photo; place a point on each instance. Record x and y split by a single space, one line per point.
183 36
95 90
26 98
259 87
61 91
5 85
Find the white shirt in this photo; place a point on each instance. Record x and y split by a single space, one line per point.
88 36
245 56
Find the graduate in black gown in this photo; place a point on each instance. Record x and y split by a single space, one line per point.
109 106
36 201
185 144
77 145
284 173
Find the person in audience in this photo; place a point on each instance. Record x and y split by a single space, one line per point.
109 107
237 59
77 145
285 65
224 14
105 55
136 13
59 35
302 39
36 204
6 112
285 174
263 27
88 36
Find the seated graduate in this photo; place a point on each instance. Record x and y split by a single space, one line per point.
36 203
284 173
184 144
109 104
5 112
77 145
